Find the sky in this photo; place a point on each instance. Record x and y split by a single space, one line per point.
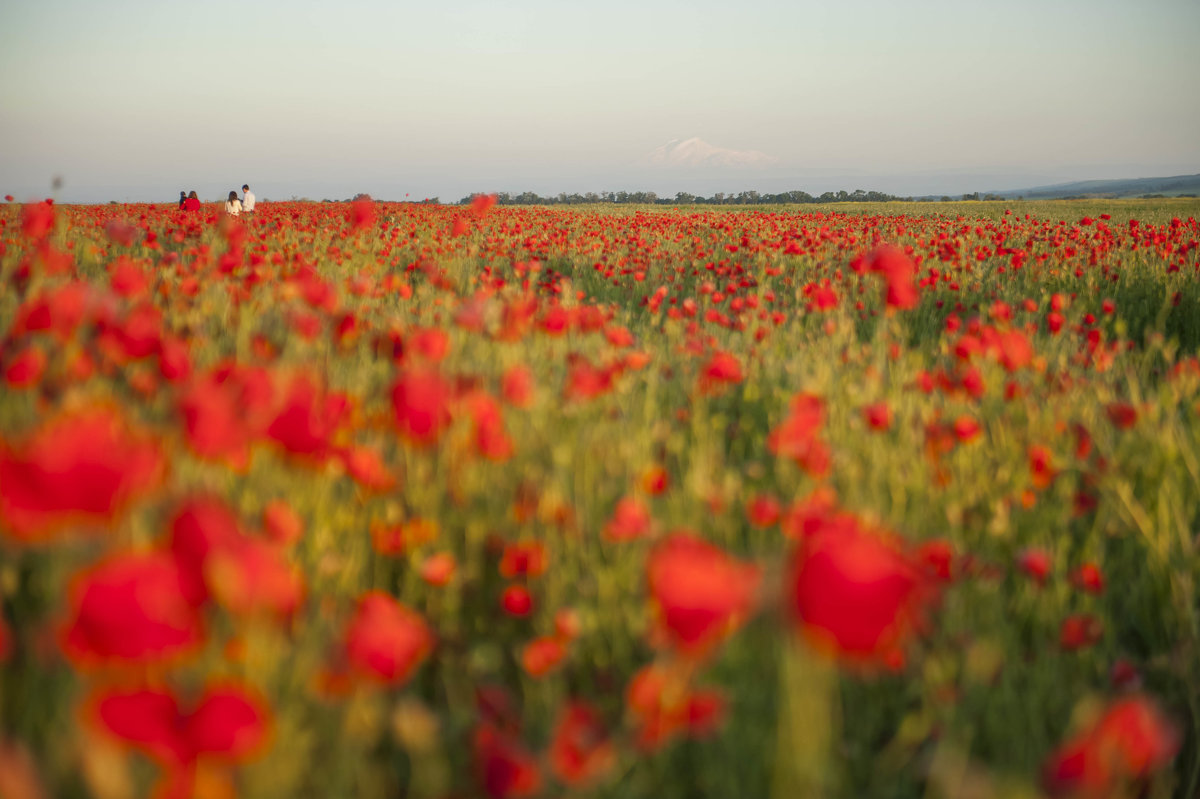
133 101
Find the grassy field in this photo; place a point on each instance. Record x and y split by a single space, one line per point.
881 500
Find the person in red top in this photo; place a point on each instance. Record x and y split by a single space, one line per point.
192 203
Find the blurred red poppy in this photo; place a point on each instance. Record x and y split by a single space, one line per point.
700 594
80 468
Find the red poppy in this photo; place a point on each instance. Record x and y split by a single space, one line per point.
253 577
1041 466
482 203
1036 563
1130 741
663 706
503 766
721 370
1122 415
37 220
878 416
226 410
630 520
700 593
83 467
439 569
542 655
25 368
1080 631
517 386
386 641
492 440
362 214
201 527
228 724
516 601
898 271
581 752
764 511
798 435
421 401
524 559
308 418
366 467
1089 578
281 523
130 608
854 592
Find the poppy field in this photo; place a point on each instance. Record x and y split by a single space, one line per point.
399 500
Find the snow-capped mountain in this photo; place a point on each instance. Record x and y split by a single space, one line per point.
696 152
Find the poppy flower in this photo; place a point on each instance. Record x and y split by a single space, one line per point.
226 410
1122 415
517 386
25 368
630 520
581 752
764 511
878 416
1080 631
308 418
1041 466
721 370
438 569
281 523
1035 563
798 435
1130 741
1089 578
492 440
655 480
898 271
516 601
201 527
664 705
227 725
130 608
482 203
504 768
854 592
421 401
253 577
386 641
523 559
362 214
700 594
82 467
542 655
366 467
37 220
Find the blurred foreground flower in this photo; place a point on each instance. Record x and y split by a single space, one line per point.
1128 743
227 725
82 467
854 592
700 593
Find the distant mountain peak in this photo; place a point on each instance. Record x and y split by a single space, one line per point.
695 152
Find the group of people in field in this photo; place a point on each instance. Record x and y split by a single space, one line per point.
188 201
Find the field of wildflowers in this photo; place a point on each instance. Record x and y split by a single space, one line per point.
384 500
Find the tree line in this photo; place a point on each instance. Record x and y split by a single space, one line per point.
687 198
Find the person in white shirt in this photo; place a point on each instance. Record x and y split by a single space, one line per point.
233 206
247 199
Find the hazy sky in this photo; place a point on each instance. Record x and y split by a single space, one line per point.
136 100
